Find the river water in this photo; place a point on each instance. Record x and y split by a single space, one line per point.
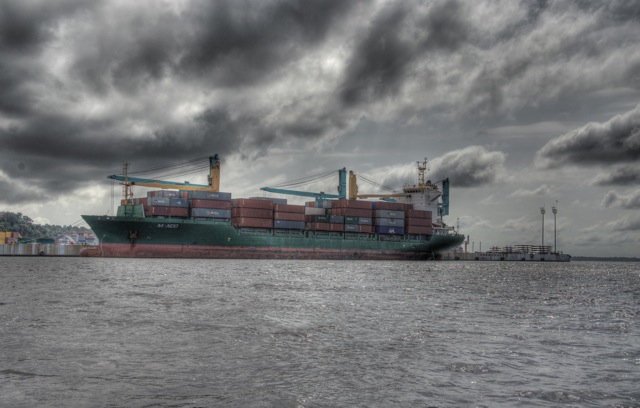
80 332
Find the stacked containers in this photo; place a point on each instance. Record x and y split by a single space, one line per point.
389 218
166 203
419 222
252 212
210 205
356 215
288 216
318 217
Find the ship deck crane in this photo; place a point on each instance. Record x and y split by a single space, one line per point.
342 189
213 180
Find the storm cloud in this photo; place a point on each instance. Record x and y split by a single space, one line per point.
473 166
609 143
631 200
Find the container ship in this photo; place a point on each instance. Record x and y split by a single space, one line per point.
183 220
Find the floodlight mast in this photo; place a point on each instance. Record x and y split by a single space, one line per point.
554 209
542 211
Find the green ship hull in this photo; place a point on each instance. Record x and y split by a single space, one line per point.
140 237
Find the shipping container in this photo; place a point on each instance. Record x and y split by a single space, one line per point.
209 195
159 201
389 222
164 193
365 221
288 216
250 212
355 204
383 229
418 222
389 214
318 218
336 219
366 228
249 222
165 211
351 228
178 202
419 214
210 213
326 226
207 203
385 205
351 220
324 203
286 224
352 212
252 203
416 229
289 208
314 211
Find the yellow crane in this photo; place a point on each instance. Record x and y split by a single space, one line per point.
128 182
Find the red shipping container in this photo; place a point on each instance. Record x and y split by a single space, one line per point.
163 211
413 229
385 205
288 216
366 228
252 212
419 214
326 226
418 222
289 208
216 204
253 203
357 204
247 222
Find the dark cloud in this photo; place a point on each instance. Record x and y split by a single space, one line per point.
621 175
383 57
26 28
57 155
235 45
615 141
628 201
222 43
472 166
543 56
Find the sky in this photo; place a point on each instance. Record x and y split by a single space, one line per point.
521 104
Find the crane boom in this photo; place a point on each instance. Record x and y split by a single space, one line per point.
353 190
342 189
213 178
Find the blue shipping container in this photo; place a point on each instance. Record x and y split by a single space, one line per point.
285 224
389 230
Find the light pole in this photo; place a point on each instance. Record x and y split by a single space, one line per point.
555 211
542 211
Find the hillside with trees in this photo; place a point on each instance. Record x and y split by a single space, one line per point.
18 222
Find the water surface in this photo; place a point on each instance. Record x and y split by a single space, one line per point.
79 332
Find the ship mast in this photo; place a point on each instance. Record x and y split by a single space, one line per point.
127 191
422 167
